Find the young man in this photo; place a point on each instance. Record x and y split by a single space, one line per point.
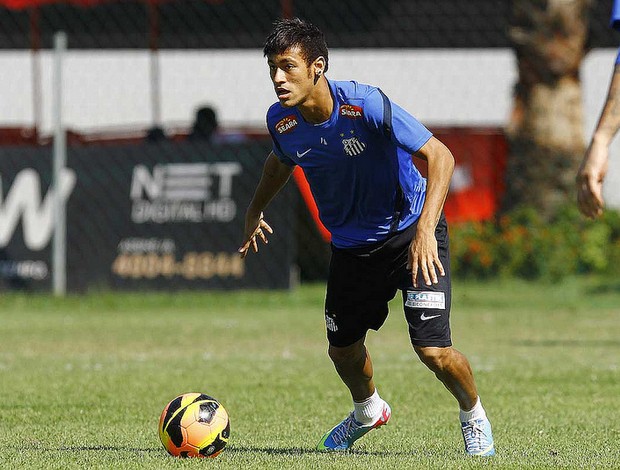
388 232
594 165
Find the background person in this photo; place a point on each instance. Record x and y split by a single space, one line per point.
594 166
205 124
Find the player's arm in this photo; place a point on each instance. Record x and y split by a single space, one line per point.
423 253
594 165
274 177
411 135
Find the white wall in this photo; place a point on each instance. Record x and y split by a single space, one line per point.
110 89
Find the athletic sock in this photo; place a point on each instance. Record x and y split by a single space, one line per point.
369 410
477 412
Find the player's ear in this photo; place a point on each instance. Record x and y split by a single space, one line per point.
319 66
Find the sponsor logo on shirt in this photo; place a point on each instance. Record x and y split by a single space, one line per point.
286 124
350 111
426 299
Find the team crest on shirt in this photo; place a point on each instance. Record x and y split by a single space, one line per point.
350 111
286 124
353 146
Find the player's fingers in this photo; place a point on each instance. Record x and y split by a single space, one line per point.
581 202
589 198
597 196
262 236
585 204
414 270
442 271
587 208
254 244
595 184
583 194
424 267
432 274
266 226
243 249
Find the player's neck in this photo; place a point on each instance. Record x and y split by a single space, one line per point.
319 106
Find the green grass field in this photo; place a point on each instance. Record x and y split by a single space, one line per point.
84 379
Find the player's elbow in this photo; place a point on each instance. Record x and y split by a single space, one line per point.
445 155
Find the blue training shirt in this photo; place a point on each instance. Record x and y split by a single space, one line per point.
615 21
358 162
615 15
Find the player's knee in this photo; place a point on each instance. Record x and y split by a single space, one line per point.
435 359
347 354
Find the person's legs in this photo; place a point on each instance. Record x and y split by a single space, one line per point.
427 310
453 370
354 367
356 301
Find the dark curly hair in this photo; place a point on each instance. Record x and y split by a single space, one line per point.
295 32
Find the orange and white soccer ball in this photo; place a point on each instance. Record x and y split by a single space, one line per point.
194 425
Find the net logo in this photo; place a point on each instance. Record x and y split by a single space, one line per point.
184 192
23 202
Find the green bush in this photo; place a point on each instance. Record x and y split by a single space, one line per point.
523 244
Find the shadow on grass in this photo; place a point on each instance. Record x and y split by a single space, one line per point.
554 343
102 448
607 287
287 451
292 451
284 451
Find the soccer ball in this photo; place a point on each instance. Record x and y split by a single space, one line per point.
194 425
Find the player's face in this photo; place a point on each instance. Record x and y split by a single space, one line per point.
293 79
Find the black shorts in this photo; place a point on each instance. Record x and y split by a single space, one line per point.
363 280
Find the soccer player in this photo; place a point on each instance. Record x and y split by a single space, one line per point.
594 165
388 229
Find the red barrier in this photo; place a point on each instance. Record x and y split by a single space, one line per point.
306 194
18 136
21 4
478 180
477 183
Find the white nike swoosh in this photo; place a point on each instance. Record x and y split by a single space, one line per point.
424 317
299 155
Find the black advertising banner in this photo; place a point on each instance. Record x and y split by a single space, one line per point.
26 216
151 216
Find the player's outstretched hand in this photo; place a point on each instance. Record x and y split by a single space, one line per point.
424 259
590 180
254 227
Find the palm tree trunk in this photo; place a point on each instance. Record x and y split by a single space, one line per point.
545 132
